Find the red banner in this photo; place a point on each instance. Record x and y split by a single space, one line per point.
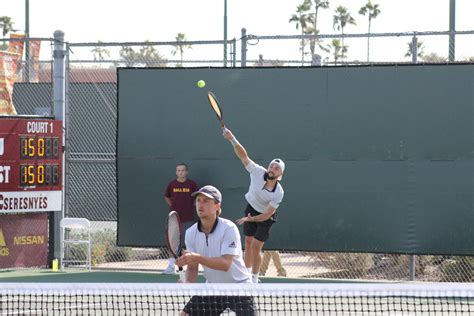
8 67
17 46
35 47
10 61
23 240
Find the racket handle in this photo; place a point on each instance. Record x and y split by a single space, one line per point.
182 275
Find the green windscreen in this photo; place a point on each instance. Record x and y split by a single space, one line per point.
378 159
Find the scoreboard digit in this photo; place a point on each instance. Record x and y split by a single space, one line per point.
30 165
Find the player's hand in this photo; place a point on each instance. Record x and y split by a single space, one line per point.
227 134
242 220
187 258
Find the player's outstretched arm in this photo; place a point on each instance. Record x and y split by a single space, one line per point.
258 218
238 148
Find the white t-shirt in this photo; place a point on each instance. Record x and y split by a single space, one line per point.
257 196
224 239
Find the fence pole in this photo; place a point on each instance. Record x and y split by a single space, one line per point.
234 49
27 41
59 95
243 50
225 33
452 29
414 49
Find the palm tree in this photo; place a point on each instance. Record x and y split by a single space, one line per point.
100 53
372 11
339 50
147 55
150 56
180 46
128 55
7 28
7 25
341 19
419 49
312 44
303 19
323 4
319 4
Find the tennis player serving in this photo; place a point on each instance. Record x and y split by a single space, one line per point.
214 243
264 196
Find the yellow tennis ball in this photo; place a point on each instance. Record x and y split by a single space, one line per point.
201 83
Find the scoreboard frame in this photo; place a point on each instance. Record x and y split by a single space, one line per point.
31 164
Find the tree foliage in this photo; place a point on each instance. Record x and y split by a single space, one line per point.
146 55
372 11
100 52
7 25
180 46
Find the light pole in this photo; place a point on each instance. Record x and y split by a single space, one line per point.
27 42
225 33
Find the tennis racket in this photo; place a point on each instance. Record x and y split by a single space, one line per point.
217 109
173 239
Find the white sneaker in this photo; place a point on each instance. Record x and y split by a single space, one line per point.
169 270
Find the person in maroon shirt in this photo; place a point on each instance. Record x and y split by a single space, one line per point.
179 199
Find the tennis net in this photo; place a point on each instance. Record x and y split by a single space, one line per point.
243 299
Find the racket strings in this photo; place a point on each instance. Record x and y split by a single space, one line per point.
174 235
216 109
215 105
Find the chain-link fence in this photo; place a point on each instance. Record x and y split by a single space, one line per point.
357 49
91 112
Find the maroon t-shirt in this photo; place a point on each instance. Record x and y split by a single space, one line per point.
181 199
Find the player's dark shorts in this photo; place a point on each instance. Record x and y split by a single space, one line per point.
258 230
215 305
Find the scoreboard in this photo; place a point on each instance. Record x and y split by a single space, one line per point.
30 165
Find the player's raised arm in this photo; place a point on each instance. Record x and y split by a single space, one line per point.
238 148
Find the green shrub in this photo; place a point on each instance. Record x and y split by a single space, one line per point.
458 269
103 248
355 265
107 240
421 263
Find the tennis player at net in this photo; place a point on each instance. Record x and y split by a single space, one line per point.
264 196
214 243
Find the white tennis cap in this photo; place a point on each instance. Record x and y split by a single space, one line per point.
279 162
210 192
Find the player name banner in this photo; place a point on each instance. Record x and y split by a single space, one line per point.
11 202
23 240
